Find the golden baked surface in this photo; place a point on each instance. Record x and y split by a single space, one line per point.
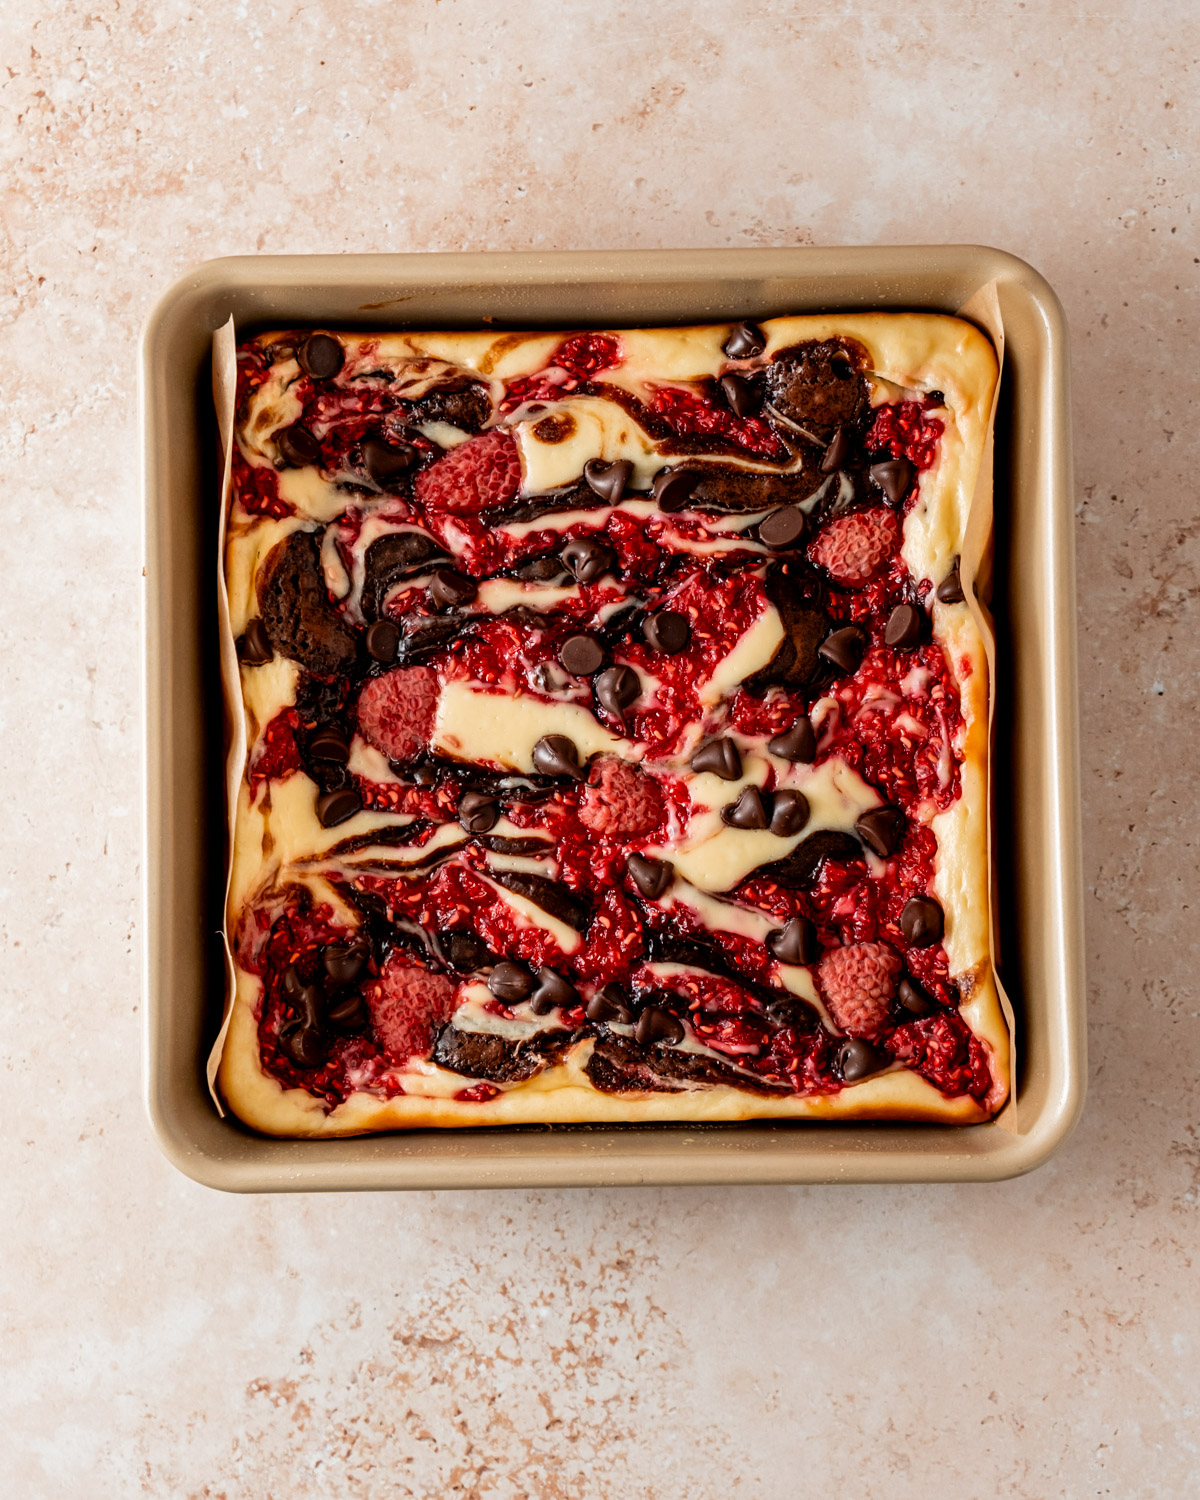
616 729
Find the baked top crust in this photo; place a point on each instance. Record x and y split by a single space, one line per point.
617 731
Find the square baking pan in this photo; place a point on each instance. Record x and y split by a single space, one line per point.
1036 759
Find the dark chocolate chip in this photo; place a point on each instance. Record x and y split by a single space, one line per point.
308 998
330 744
837 453
478 813
292 983
610 1004
747 812
617 689
464 950
510 982
922 922
882 830
915 999
387 464
335 807
651 876
657 1025
667 631
297 446
552 990
587 559
255 648
858 1059
424 775
797 743
383 640
789 813
844 649
344 962
348 1014
556 755
745 341
321 356
582 655
744 398
905 627
673 488
449 589
783 527
949 591
608 480
893 476
795 942
720 756
303 1044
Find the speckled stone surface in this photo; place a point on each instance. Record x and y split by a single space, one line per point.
1034 1339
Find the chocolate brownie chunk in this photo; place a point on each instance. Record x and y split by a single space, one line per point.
618 1066
388 561
819 385
798 869
805 626
724 488
478 1054
300 621
466 407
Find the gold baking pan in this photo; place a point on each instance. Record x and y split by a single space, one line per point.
1035 767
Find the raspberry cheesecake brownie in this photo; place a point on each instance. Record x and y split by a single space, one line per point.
616 726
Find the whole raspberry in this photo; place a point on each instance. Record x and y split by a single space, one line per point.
396 711
858 983
853 548
406 1002
619 800
479 475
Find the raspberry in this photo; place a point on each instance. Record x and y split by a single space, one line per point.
858 983
619 800
479 475
396 711
853 548
406 1002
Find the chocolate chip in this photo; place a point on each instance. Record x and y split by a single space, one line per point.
335 807
922 922
747 812
651 876
478 813
297 446
348 1014
949 591
617 689
587 559
893 476
858 1059
837 453
464 950
304 1046
795 942
582 655
344 962
915 999
556 755
321 356
610 1004
797 743
254 648
449 589
510 982
789 813
292 983
657 1025
882 830
673 488
667 631
744 399
330 744
608 480
905 626
552 990
844 649
387 464
783 527
383 640
745 341
424 775
720 756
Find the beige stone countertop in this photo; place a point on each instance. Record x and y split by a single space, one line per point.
1036 1338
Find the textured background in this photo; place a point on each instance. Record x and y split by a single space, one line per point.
1038 1338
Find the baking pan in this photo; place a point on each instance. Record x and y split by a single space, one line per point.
1036 761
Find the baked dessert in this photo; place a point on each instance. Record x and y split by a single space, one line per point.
616 727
